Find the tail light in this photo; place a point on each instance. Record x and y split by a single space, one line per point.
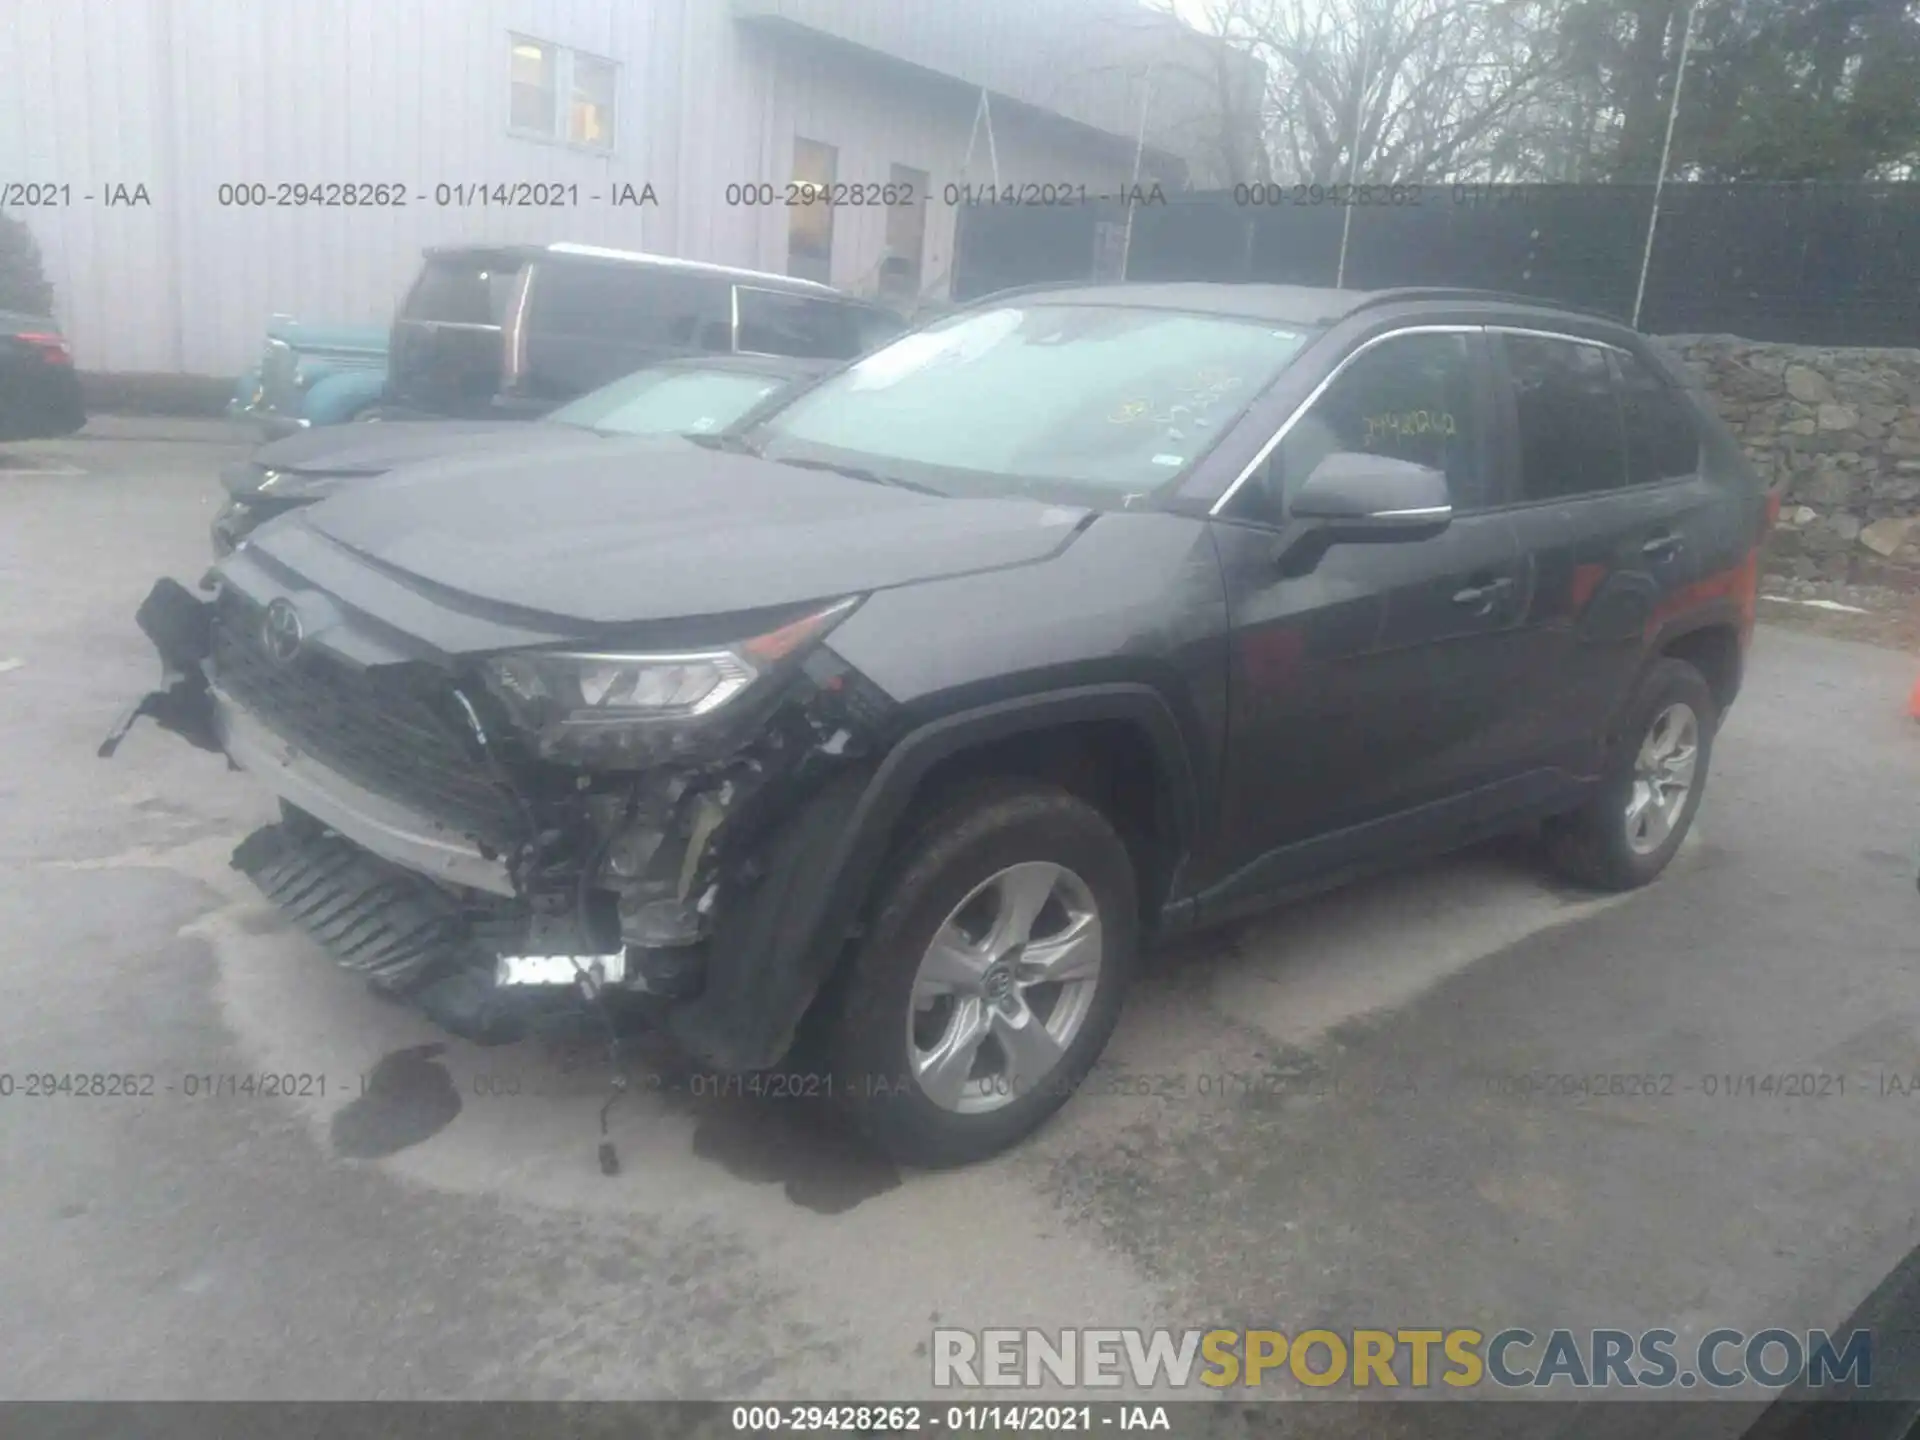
50 348
516 328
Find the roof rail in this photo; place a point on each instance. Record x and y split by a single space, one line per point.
1396 294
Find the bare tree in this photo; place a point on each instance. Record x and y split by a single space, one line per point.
1416 90
1202 95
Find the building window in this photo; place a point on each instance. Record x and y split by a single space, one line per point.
534 66
810 219
561 94
906 234
590 117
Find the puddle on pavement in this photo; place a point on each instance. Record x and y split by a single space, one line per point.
263 922
409 1097
796 1144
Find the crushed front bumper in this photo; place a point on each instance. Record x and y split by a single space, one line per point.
723 942
392 831
396 895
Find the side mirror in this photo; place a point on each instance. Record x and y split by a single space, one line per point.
1355 496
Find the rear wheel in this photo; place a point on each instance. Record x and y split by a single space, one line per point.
990 979
1630 829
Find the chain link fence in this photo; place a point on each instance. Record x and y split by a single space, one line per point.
1810 264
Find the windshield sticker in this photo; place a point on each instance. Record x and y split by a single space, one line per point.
1169 460
1128 411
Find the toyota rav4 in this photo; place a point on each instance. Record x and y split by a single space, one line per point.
886 726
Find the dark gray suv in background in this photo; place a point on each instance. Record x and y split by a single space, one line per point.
507 332
708 392
867 742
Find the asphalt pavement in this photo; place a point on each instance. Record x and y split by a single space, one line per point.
1318 1118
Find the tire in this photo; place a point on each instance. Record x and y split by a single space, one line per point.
962 863
1602 845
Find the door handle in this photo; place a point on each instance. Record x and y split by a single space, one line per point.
1484 595
1663 547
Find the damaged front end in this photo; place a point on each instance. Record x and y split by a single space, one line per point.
494 834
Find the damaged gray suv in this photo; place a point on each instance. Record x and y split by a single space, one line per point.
867 742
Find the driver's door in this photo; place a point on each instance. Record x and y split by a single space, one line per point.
1373 697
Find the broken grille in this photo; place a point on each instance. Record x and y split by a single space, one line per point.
376 729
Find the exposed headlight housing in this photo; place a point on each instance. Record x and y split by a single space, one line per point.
615 711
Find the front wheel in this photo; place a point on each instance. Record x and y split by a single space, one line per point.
990 979
1657 771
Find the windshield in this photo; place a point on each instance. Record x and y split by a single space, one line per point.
661 402
1097 396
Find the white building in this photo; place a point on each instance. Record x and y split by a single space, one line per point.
700 110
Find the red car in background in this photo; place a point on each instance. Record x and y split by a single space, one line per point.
39 391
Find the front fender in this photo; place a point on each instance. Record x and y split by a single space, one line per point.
774 945
339 396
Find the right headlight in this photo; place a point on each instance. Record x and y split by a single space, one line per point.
621 710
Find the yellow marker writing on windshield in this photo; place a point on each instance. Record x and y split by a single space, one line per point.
1411 422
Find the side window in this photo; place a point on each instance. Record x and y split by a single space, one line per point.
626 302
773 322
1410 396
1662 443
1571 439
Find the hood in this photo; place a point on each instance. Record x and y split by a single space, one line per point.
636 531
374 449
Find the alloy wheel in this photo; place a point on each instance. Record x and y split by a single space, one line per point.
1663 775
1004 988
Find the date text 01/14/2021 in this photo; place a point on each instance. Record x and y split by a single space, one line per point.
1047 193
958 1419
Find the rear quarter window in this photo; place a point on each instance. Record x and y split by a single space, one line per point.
1663 436
463 289
654 307
808 327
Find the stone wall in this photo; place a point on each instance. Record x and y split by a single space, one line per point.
1841 428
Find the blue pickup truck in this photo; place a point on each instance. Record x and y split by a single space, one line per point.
313 375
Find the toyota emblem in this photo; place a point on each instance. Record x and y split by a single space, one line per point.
281 633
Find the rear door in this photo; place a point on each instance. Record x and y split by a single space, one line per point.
1370 694
1612 505
448 351
590 321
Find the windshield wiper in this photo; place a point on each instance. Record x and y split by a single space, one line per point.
855 472
720 440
